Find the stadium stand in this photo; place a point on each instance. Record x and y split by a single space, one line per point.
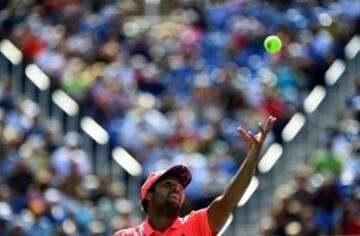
323 198
170 92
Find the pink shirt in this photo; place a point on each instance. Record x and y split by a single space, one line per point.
194 224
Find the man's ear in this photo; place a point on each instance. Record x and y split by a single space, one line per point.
183 199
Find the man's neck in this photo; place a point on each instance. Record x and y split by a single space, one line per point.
160 222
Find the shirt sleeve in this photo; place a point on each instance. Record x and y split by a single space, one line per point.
198 222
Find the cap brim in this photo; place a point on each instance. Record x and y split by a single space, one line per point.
181 172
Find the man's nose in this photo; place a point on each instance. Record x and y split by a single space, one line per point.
176 188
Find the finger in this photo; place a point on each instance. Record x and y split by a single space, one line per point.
262 134
261 127
242 132
269 123
264 130
273 120
245 136
253 139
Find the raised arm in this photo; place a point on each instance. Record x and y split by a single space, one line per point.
220 209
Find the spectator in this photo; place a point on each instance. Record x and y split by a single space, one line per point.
180 86
70 158
302 192
324 160
326 202
351 170
349 222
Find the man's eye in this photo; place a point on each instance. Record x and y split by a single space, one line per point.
168 185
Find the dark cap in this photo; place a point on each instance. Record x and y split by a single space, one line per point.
179 171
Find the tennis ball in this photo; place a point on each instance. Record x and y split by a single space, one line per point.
272 44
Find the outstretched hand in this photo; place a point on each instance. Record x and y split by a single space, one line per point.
221 208
254 142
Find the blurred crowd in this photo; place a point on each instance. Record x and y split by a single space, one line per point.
324 196
170 90
46 184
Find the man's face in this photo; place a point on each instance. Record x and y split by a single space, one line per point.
168 195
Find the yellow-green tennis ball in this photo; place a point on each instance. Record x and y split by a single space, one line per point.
272 44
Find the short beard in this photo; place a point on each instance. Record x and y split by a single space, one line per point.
171 209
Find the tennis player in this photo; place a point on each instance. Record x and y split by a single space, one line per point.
162 196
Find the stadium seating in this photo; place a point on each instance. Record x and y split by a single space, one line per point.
170 92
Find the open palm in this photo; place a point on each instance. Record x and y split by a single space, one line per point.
255 142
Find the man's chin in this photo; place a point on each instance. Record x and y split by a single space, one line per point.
173 207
